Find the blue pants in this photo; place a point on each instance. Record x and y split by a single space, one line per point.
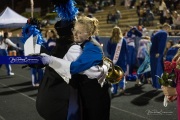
157 68
37 75
4 52
121 85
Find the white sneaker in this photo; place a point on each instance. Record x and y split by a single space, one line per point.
11 73
36 85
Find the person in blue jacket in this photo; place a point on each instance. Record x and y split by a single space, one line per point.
132 40
51 37
117 41
172 52
156 54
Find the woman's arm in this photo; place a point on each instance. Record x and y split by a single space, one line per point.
9 42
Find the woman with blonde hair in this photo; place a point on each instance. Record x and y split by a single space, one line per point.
74 66
117 50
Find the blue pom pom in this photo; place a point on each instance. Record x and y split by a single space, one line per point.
29 30
67 11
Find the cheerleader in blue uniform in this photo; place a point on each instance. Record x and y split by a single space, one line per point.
156 54
95 99
118 52
3 51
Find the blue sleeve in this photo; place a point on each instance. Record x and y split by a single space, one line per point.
109 47
134 31
138 33
91 56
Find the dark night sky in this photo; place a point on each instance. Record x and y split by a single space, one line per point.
20 5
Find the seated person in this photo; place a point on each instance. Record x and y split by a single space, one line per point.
149 17
176 20
109 17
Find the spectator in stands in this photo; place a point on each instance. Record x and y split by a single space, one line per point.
175 4
169 4
145 3
127 3
156 7
110 17
168 19
138 11
117 16
132 4
92 8
113 2
142 18
149 17
105 3
176 20
162 9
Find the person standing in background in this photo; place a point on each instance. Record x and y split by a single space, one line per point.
117 50
51 37
143 60
156 54
54 94
3 50
169 44
132 38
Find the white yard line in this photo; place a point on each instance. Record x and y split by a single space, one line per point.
35 100
1 118
18 92
129 112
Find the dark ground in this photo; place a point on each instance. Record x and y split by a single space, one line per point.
17 100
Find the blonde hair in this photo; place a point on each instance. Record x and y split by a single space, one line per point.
146 37
114 38
91 24
177 55
166 26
